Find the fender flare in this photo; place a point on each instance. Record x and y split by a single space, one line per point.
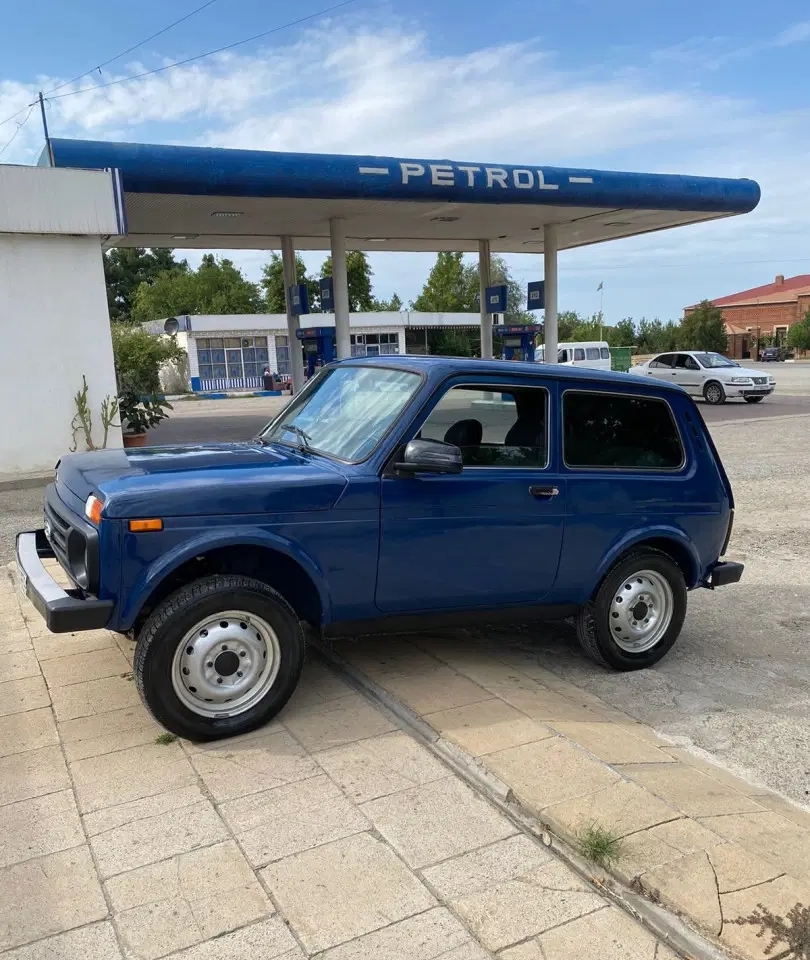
639 536
153 575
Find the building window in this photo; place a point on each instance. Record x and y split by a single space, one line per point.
231 357
374 344
283 365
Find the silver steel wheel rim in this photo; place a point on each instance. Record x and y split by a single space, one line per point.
641 611
713 393
226 664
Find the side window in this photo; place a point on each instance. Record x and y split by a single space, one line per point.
606 430
665 360
592 353
692 364
493 429
579 353
605 353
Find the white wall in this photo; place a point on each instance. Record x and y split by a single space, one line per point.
54 323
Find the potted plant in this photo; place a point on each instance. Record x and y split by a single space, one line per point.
139 357
138 414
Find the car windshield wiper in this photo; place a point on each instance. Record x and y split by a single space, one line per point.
302 435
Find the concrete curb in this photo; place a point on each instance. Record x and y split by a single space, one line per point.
666 926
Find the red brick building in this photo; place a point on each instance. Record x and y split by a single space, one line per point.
766 311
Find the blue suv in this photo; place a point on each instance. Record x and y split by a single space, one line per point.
392 494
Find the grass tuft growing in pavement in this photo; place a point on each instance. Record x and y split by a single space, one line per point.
599 845
792 930
165 738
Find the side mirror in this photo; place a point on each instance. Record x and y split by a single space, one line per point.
429 456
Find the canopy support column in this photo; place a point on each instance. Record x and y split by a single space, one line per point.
340 283
550 276
290 279
486 318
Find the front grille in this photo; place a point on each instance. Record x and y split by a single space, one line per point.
73 541
760 379
58 528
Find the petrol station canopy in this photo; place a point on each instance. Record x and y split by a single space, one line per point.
210 197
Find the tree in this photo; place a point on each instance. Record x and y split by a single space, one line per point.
358 277
272 283
448 288
799 334
216 286
452 343
394 304
139 357
499 274
126 268
704 329
625 333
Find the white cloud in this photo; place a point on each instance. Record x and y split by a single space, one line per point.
798 33
387 92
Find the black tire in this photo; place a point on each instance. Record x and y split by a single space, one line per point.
714 393
170 622
593 620
753 399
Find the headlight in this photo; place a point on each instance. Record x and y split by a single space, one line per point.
92 509
740 380
771 380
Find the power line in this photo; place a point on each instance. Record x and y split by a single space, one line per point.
13 115
135 46
209 53
19 127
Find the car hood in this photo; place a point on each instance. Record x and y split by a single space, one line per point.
203 480
728 372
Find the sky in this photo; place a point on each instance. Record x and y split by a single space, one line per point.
712 87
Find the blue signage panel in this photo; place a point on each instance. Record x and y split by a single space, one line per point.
327 294
524 329
496 298
536 296
299 299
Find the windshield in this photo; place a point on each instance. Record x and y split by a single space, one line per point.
714 360
345 412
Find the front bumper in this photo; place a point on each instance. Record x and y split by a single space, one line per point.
748 390
724 573
64 611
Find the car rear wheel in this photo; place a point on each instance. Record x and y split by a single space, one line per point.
714 393
636 614
219 657
754 399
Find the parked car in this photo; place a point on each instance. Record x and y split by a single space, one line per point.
708 375
771 354
393 493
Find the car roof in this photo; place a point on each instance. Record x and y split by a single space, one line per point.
439 367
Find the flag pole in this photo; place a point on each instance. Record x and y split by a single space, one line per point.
601 301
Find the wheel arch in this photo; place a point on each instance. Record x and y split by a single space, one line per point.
272 560
670 542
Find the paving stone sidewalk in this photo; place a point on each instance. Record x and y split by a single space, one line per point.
330 833
700 841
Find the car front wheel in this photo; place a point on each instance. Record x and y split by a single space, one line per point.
636 614
219 657
714 393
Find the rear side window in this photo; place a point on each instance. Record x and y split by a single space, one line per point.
579 353
610 431
592 353
605 352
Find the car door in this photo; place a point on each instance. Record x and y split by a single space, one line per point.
687 374
661 367
491 535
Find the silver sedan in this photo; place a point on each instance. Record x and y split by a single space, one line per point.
708 375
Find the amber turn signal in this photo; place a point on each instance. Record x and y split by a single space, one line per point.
145 526
93 508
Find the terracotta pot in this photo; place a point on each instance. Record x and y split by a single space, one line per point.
134 440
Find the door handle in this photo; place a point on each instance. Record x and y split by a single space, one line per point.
543 493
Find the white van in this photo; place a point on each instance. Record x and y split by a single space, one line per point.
590 353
